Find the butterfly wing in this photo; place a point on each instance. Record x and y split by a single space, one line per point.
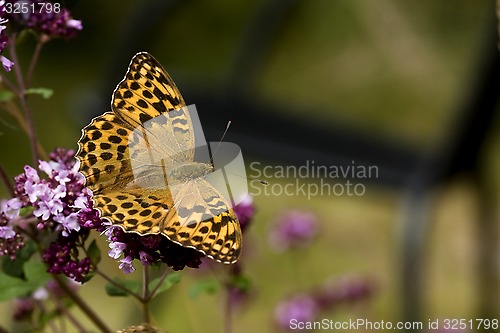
149 123
202 219
218 235
104 155
148 100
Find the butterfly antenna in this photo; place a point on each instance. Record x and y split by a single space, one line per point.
220 141
263 182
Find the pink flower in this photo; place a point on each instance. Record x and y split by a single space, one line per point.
293 229
301 308
126 265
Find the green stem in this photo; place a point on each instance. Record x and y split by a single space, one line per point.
9 84
145 295
34 59
61 308
228 313
82 305
160 282
116 284
5 179
51 324
22 99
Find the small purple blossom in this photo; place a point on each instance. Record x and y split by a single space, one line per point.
7 232
41 294
53 21
145 258
62 258
6 63
300 308
345 289
10 240
116 249
293 229
245 210
305 307
126 265
23 308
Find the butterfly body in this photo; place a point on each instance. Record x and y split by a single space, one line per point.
186 172
138 160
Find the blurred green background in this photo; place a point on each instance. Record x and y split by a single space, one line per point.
395 71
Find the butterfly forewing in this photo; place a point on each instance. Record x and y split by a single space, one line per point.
126 155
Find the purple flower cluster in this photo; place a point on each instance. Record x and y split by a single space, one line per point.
293 229
62 258
7 64
23 308
60 203
149 249
344 289
306 307
300 307
47 18
52 198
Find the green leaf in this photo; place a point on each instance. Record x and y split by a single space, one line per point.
94 253
36 276
208 286
171 280
6 95
113 290
11 287
242 282
15 268
87 278
36 272
25 211
44 92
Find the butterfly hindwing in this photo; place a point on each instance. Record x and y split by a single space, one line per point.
218 234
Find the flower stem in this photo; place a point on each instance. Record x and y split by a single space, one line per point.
116 284
6 181
13 109
50 323
145 295
228 327
22 99
82 305
34 59
61 308
7 82
160 282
